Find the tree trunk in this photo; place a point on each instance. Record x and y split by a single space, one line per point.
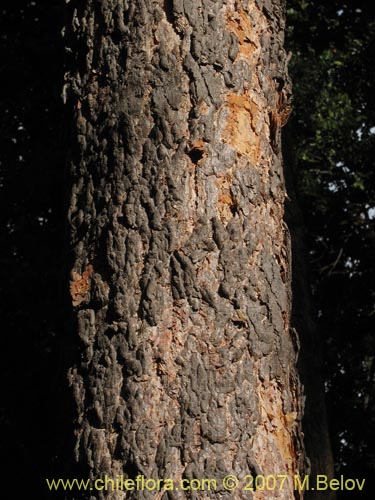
180 274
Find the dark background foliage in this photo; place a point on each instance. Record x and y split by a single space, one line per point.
333 142
333 131
31 241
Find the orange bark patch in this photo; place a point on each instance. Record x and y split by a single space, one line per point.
80 285
239 131
239 23
225 202
225 207
226 199
204 108
275 435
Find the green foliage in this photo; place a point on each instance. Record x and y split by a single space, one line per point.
333 130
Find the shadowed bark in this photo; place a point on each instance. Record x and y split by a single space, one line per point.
310 364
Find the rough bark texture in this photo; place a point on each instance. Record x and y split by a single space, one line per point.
180 277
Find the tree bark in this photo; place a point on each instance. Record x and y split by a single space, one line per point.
180 276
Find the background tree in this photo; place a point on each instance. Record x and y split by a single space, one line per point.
334 138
